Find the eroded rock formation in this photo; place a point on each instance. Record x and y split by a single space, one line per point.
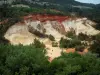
57 26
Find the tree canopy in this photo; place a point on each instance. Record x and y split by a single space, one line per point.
29 60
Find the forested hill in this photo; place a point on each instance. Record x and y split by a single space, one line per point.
90 11
62 2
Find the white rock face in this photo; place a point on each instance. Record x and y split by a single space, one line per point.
48 26
52 31
19 34
81 26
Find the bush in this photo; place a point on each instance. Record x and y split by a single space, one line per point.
54 44
38 44
95 47
83 37
51 37
71 34
79 48
64 43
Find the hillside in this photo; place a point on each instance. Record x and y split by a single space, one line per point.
42 26
49 37
90 11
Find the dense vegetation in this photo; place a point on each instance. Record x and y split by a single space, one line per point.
23 60
90 11
75 40
81 41
65 43
95 47
38 44
29 60
6 11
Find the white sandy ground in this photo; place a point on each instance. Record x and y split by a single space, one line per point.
52 52
25 39
19 34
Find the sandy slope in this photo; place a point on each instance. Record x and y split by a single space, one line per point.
53 52
80 26
19 33
52 31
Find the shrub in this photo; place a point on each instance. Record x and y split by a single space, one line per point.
83 37
64 43
71 34
95 47
79 48
38 44
51 37
54 44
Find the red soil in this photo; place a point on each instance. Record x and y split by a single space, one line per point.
72 50
42 18
45 17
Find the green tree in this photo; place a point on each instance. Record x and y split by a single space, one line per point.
54 44
95 47
29 60
23 60
75 64
71 34
38 44
72 43
51 37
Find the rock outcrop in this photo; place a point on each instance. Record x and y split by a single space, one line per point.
19 34
25 32
56 26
